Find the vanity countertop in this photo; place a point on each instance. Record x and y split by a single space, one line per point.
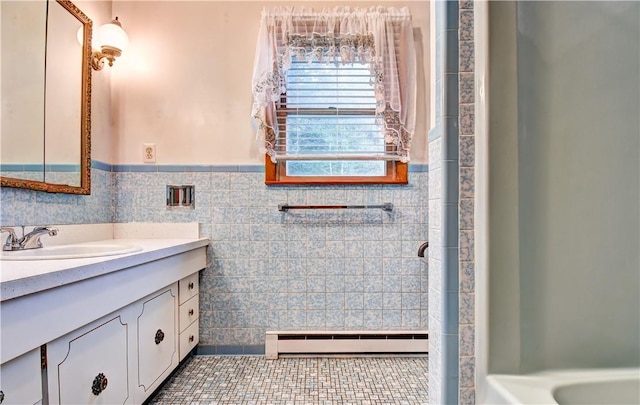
19 278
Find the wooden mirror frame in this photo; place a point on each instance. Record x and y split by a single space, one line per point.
85 120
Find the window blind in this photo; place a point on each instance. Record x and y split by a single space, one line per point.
328 111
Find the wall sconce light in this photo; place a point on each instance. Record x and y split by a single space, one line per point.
111 40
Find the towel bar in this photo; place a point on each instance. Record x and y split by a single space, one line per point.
285 207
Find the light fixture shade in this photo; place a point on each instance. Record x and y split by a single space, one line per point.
111 35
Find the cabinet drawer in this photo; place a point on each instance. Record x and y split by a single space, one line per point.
189 339
189 312
21 379
188 287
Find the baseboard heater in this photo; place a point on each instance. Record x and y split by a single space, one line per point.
345 342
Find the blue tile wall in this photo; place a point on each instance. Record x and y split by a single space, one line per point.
466 225
268 270
300 270
26 207
450 157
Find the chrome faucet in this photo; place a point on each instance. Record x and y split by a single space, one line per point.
30 240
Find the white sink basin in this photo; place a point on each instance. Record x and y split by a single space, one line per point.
75 251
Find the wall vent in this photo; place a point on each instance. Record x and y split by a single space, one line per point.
345 342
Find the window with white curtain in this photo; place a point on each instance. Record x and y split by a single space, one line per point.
334 95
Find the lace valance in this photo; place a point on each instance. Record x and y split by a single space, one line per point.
380 37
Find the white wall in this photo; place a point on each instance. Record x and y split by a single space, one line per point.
185 82
102 144
571 270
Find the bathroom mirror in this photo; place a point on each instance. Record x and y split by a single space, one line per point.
45 129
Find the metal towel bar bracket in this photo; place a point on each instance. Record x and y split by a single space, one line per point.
286 207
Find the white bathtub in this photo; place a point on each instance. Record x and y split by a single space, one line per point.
598 386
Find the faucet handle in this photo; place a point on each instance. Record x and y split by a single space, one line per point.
11 239
9 230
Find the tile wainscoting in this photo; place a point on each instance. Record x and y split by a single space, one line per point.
300 270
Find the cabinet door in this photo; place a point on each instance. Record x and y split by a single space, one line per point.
21 379
94 368
157 339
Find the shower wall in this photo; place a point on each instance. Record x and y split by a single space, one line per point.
565 291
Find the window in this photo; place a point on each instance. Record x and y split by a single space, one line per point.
326 109
329 110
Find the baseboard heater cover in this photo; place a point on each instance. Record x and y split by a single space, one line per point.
345 342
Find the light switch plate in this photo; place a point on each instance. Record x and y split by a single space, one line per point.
149 153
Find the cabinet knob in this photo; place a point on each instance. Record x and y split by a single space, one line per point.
159 336
191 338
191 285
191 312
1 396
99 384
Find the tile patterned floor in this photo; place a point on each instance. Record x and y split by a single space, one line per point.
296 381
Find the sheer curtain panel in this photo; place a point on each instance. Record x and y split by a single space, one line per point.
379 38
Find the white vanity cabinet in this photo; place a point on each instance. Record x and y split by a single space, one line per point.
119 359
109 339
20 380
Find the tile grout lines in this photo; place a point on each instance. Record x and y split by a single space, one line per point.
255 380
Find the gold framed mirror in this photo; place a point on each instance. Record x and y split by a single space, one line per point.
45 138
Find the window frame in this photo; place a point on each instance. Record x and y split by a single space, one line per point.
276 172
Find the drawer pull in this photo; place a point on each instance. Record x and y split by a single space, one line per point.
99 384
191 338
159 336
191 285
191 312
1 396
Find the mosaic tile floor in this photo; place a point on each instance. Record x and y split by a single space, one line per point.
295 381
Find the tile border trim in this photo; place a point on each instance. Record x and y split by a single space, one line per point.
255 168
31 167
